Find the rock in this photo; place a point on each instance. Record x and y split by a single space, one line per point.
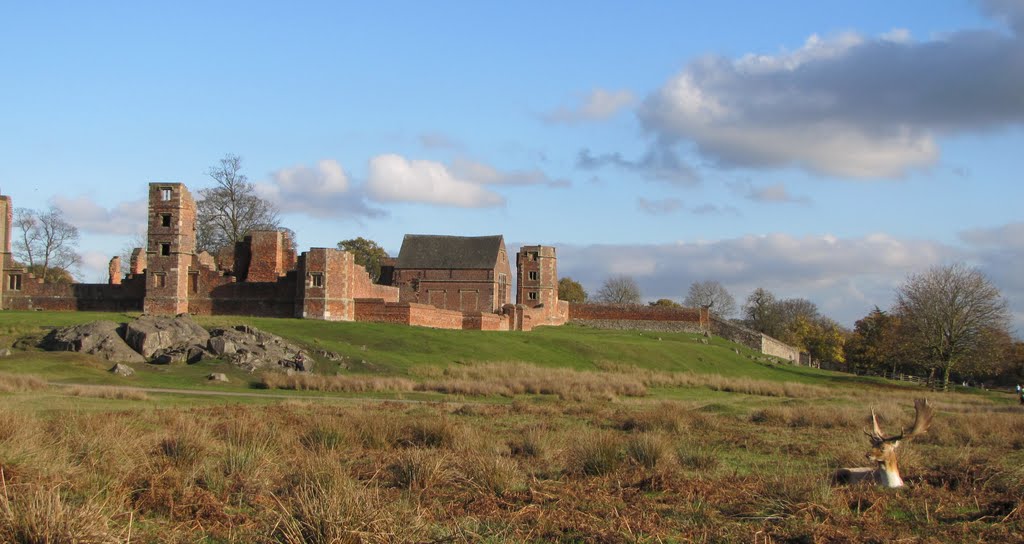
100 338
122 370
151 334
5 352
218 377
253 349
329 355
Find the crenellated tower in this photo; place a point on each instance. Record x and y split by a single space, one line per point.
537 276
171 243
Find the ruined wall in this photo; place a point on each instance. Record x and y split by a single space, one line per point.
34 294
268 256
210 292
754 340
405 313
643 318
329 282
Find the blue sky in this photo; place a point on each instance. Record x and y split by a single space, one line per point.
823 150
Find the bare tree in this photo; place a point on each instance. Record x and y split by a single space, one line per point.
231 209
619 290
951 315
713 295
759 312
46 243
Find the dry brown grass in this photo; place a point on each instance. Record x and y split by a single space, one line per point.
103 392
17 383
563 472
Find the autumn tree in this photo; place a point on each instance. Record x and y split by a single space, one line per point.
619 290
874 345
951 315
46 243
713 295
231 209
570 290
367 253
664 303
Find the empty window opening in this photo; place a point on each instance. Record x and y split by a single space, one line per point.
165 249
316 280
165 220
165 193
534 275
159 280
533 295
14 282
193 282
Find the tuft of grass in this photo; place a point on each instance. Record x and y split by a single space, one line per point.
594 454
39 513
419 470
430 432
110 393
19 383
649 450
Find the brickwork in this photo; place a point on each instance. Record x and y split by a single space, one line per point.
34 294
114 271
171 247
268 257
6 261
473 288
537 276
137 264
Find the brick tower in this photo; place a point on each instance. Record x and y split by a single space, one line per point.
6 212
537 276
171 243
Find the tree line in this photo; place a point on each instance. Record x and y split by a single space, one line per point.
948 323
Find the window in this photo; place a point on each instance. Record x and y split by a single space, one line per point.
533 295
165 249
165 193
165 220
316 280
193 282
534 275
14 282
159 280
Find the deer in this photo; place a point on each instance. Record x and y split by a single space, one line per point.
883 451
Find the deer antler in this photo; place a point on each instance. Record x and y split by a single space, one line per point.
922 419
876 432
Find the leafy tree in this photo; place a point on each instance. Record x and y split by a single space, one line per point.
875 344
950 315
367 253
665 303
619 290
825 341
46 242
712 294
231 209
570 290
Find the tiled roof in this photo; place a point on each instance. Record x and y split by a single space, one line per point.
449 252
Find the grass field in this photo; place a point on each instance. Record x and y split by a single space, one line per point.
558 435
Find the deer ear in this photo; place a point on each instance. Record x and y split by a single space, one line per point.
896 444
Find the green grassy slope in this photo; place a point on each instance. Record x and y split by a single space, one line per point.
400 350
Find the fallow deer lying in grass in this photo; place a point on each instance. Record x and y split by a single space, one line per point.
883 451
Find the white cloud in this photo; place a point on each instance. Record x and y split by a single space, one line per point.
775 193
484 174
83 212
845 277
844 106
394 178
598 105
323 190
661 206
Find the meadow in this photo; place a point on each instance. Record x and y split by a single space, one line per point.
558 435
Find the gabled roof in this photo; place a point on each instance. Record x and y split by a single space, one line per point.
449 252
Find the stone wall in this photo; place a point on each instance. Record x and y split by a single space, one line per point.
641 318
777 348
754 340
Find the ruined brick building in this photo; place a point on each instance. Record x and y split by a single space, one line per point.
436 281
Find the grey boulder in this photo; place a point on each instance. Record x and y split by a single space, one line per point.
99 338
150 334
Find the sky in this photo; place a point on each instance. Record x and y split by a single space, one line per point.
822 150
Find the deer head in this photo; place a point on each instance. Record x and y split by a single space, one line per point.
883 448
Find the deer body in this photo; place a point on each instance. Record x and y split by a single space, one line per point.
886 472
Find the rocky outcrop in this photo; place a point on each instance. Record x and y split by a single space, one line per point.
180 340
165 337
218 377
100 338
253 349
